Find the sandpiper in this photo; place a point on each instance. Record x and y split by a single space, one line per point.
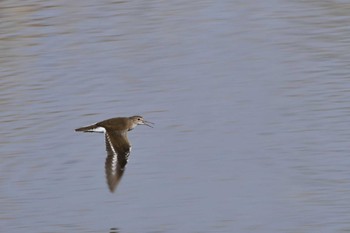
117 144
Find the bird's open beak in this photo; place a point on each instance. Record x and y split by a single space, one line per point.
148 123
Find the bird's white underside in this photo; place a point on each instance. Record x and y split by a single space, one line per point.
98 130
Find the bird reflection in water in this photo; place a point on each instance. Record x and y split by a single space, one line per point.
114 230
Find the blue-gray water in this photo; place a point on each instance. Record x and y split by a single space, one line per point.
250 101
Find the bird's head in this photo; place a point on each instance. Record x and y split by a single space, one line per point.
138 120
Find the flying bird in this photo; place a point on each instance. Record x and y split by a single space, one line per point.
118 146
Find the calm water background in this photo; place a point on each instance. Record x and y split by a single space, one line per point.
250 101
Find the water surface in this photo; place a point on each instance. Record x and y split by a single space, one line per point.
250 101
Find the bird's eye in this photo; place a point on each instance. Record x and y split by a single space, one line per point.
139 119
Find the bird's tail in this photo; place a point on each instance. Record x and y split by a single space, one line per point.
90 128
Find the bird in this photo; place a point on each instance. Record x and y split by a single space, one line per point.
118 146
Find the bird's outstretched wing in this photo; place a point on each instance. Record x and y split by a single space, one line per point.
118 150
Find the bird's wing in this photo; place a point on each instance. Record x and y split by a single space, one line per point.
118 150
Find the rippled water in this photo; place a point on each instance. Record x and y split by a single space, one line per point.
250 100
